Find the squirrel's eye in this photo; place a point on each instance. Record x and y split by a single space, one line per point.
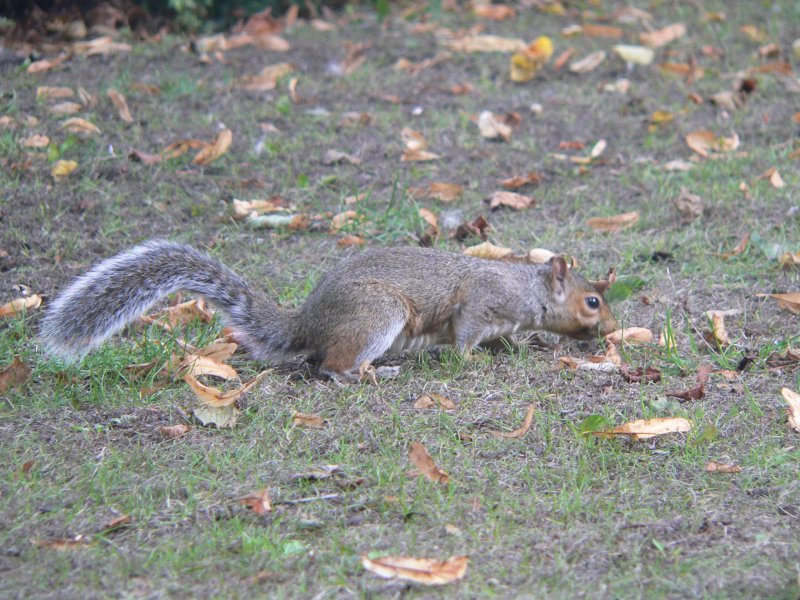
593 302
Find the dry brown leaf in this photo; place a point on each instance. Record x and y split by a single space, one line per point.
793 411
718 336
789 260
196 366
638 55
615 223
430 218
350 240
418 156
643 429
661 37
36 141
172 432
80 126
715 467
45 64
413 140
478 227
431 400
182 314
117 523
13 374
488 250
754 32
259 502
740 247
62 543
510 200
696 392
639 374
689 205
630 335
310 421
486 43
790 301
218 349
267 78
445 192
420 458
344 218
214 151
495 12
601 31
426 571
519 431
215 397
46 92
65 108
101 45
244 208
774 177
492 128
706 144
119 102
588 63
518 181
145 157
20 304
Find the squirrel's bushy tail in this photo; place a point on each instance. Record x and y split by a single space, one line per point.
120 289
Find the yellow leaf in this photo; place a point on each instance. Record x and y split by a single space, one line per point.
488 250
62 169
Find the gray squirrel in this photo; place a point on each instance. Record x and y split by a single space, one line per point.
379 301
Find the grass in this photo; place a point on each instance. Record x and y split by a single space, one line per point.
557 513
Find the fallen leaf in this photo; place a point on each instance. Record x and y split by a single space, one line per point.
196 366
753 32
790 301
640 374
172 432
431 400
488 250
101 45
486 43
689 205
214 397
267 78
80 126
706 144
789 260
343 219
643 429
420 458
740 247
630 335
350 240
36 141
510 200
696 392
214 151
65 108
118 100
334 157
180 147
418 156
46 92
601 31
718 336
478 227
310 421
518 181
661 37
615 223
519 431
45 64
221 417
678 165
774 177
495 12
426 571
259 502
793 411
245 208
715 467
62 543
117 523
638 55
413 140
588 63
19 305
13 374
181 314
445 192
526 63
492 128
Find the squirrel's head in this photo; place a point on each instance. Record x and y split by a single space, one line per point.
578 308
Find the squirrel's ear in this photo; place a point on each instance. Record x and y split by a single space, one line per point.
601 286
559 269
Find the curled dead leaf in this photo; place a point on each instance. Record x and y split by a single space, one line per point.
715 467
80 126
510 200
426 571
309 421
630 335
431 400
36 141
14 374
419 457
20 304
215 397
793 411
519 431
588 63
119 102
259 502
172 432
212 152
488 250
789 301
266 79
661 37
492 127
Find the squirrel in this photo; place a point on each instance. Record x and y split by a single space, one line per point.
379 301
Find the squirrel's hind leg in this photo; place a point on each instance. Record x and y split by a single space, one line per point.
353 348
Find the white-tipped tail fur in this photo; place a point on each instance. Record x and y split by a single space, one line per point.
120 289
